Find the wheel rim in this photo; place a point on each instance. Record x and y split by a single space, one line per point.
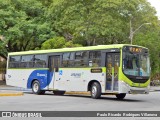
94 91
35 87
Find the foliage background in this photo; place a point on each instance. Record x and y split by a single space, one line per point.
48 24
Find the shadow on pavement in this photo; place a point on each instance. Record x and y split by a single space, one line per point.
87 96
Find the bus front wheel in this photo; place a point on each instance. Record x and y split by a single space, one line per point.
121 96
96 90
36 88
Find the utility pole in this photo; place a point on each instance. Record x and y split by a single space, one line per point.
133 32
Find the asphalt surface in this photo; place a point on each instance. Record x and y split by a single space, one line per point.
16 91
77 102
10 88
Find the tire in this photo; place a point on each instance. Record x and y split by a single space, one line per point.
36 88
58 92
121 96
95 90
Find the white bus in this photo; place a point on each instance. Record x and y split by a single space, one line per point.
103 69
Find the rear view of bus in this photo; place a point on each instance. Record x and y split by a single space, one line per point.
132 74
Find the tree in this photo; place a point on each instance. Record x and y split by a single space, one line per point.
75 19
70 44
44 24
91 22
150 38
23 25
58 42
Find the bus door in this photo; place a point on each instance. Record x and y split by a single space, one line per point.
112 68
54 64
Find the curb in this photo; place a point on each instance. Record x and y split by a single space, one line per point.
154 90
78 93
12 94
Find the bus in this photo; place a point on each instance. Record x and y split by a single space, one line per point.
117 69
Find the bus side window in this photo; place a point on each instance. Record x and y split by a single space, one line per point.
95 58
66 57
40 61
71 60
84 59
14 61
27 61
81 59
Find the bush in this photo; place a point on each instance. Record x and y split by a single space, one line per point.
3 66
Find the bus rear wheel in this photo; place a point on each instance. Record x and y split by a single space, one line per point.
96 90
58 92
121 96
36 88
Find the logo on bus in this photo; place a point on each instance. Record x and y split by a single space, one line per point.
60 72
76 75
41 75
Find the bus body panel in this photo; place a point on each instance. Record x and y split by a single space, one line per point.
69 79
74 79
17 78
77 79
125 88
25 77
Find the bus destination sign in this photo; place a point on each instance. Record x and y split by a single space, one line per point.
135 49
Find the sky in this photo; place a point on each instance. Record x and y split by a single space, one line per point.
156 4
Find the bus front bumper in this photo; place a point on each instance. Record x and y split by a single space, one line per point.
125 88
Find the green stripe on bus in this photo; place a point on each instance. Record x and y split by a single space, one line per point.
98 47
103 68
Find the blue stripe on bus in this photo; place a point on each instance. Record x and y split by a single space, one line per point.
43 76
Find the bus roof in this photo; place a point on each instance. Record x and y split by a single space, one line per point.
98 47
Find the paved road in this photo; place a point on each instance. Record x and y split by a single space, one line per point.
52 102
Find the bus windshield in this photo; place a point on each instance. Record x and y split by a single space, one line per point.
136 63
